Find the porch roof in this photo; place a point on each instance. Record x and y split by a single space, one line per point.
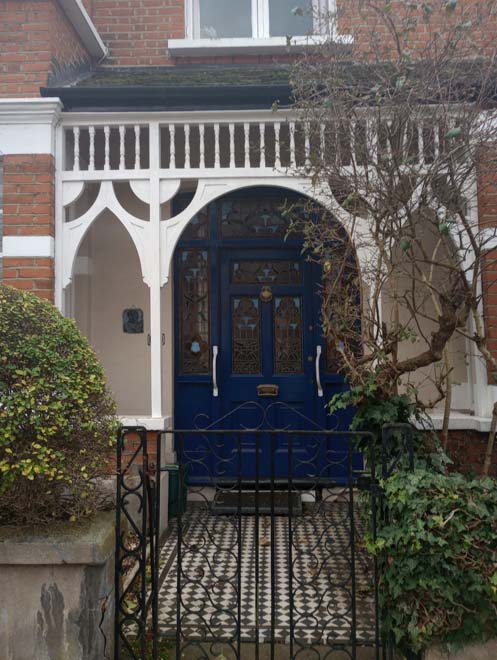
183 87
251 87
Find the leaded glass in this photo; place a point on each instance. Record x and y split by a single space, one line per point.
246 333
265 272
252 218
194 318
198 227
288 358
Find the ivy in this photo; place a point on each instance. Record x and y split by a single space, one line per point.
57 419
439 552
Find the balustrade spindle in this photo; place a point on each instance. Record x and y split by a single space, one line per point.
75 132
137 147
293 160
187 146
421 144
436 139
201 131
307 144
352 138
277 146
231 128
107 148
122 131
172 147
246 145
262 144
372 139
217 162
91 162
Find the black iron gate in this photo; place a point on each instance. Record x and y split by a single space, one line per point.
269 565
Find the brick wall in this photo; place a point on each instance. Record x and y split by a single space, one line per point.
35 274
137 31
467 451
28 210
37 45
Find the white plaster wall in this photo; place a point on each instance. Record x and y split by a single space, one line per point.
423 379
99 298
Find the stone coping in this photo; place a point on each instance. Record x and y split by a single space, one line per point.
89 542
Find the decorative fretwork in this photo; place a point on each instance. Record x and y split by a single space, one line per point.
288 335
265 272
194 318
246 323
198 227
250 218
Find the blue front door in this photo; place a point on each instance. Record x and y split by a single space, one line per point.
247 336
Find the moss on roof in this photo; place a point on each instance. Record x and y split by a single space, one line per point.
189 76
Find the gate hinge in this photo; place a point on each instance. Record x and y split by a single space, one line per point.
173 467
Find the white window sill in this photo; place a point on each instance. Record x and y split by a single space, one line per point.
247 46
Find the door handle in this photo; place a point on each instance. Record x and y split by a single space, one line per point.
215 389
318 371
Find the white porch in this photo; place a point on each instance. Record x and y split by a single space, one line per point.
116 232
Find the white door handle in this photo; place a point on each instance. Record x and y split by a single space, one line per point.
318 372
215 389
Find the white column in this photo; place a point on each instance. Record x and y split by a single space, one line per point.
155 273
59 219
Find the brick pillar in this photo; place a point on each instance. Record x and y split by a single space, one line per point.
28 206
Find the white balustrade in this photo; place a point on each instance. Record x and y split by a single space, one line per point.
270 144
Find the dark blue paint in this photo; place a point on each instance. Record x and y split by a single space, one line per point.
196 407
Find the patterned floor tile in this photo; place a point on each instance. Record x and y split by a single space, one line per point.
311 590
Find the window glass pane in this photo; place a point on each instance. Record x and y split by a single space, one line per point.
288 335
225 18
285 21
246 329
194 319
265 272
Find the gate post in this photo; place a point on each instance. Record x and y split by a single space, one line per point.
134 496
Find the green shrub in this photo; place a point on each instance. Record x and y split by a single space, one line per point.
439 551
57 420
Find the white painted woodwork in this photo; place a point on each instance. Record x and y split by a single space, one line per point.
75 132
215 173
137 147
262 146
187 146
277 146
231 129
122 131
217 161
91 162
107 148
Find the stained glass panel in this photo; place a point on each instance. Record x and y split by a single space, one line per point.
194 318
246 333
198 227
288 358
265 272
252 218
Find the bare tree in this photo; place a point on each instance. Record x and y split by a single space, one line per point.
398 128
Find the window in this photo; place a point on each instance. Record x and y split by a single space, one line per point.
221 19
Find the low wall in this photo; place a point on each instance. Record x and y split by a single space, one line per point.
486 651
57 591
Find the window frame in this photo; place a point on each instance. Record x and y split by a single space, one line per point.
260 21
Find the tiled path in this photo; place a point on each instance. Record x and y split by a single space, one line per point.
321 578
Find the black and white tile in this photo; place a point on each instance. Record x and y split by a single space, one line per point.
323 561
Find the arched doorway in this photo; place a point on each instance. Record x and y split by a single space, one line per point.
248 339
